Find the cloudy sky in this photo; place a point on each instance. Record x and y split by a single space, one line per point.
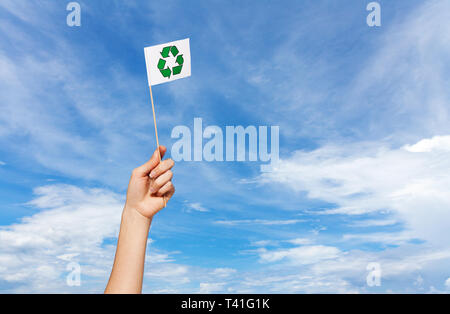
364 118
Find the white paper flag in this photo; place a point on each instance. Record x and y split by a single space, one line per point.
168 62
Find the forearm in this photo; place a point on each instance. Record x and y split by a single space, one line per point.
149 189
128 269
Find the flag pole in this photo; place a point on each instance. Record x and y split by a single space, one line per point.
154 120
156 131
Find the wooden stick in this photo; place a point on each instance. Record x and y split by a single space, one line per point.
156 132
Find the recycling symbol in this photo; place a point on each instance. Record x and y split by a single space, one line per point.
167 71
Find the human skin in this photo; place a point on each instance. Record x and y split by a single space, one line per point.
149 190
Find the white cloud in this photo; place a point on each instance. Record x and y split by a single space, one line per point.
68 257
223 272
327 269
372 177
300 241
197 207
156 257
392 238
168 272
266 222
419 281
433 144
71 225
211 287
81 225
395 262
165 291
264 243
295 281
373 223
300 255
447 283
295 241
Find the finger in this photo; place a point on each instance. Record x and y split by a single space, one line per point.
160 181
145 169
167 191
161 168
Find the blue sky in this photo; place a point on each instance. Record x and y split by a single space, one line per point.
364 144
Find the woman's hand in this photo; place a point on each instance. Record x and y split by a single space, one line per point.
150 186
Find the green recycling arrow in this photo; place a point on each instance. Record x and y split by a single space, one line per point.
167 71
174 51
165 52
177 69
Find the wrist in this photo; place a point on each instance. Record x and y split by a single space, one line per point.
133 214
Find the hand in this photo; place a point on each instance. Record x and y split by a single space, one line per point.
150 186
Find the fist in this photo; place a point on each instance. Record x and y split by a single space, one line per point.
150 186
